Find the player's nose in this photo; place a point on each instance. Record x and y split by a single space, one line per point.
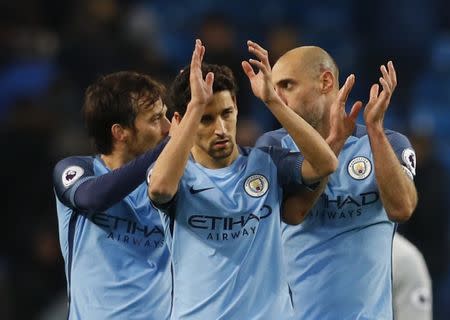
220 128
165 126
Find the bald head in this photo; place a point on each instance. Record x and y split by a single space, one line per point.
306 79
310 61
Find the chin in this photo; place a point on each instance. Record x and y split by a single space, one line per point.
221 154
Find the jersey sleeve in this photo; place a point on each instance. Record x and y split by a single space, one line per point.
98 193
68 174
288 164
268 139
404 151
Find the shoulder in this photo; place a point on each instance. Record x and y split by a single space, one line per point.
394 137
69 170
398 141
271 138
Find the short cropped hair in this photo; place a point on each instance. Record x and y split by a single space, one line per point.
113 99
180 91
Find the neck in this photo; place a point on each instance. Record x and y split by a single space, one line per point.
115 160
323 127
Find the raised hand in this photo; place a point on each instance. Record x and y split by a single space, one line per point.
261 82
201 89
375 109
342 124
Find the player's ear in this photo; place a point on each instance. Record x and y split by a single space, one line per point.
119 133
177 117
327 81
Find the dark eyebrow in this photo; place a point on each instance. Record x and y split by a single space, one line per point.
284 82
160 113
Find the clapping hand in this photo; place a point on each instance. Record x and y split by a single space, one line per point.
375 109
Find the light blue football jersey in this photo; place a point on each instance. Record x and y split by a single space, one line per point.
117 264
339 260
223 229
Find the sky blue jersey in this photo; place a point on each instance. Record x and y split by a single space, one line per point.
116 261
223 229
339 260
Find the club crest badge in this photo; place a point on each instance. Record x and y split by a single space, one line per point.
408 172
409 158
256 185
71 174
359 168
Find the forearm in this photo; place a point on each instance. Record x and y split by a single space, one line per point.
100 193
297 206
397 191
314 148
169 167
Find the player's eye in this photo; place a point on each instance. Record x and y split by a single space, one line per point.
206 120
227 113
288 85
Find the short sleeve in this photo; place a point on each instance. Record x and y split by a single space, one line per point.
404 151
288 164
68 174
268 139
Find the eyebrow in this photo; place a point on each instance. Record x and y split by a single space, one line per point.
160 112
284 81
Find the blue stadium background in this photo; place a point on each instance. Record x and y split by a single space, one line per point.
51 50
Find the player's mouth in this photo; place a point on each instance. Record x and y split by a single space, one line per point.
221 143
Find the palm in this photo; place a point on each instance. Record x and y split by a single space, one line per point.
201 92
201 88
379 101
342 124
375 109
261 82
261 85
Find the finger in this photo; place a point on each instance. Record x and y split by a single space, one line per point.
346 88
209 79
262 56
386 87
386 75
257 47
259 51
202 52
194 55
248 70
373 93
392 74
354 112
260 65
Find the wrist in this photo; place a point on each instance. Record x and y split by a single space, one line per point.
335 143
194 106
374 129
274 101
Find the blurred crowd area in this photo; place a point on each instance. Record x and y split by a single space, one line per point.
51 50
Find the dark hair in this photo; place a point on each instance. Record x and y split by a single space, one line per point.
113 99
180 91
